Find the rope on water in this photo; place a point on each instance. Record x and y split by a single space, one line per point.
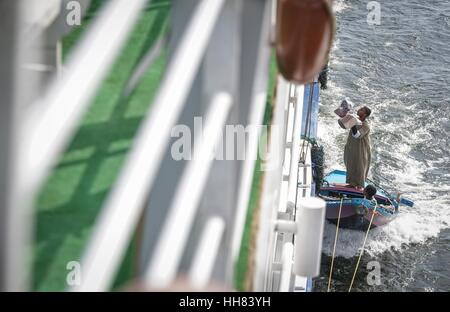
307 130
362 249
335 242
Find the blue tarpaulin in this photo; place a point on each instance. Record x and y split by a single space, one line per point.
314 87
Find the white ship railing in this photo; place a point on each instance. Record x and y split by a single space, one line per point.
226 83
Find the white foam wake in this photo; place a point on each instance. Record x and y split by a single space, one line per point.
339 6
395 162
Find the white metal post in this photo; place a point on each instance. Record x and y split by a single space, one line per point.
286 270
9 16
15 202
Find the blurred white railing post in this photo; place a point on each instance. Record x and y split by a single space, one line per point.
14 218
206 254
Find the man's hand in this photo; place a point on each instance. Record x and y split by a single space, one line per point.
355 132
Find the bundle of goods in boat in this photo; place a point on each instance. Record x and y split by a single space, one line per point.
343 109
346 121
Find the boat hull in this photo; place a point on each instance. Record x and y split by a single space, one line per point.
352 219
353 214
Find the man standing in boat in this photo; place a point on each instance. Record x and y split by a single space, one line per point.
357 153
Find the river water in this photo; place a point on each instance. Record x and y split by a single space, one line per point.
401 70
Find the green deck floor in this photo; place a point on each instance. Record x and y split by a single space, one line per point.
70 201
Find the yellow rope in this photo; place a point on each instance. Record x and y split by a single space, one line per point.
335 241
362 249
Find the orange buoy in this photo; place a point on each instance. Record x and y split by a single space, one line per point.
304 35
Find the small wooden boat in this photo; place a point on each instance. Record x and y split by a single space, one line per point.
356 211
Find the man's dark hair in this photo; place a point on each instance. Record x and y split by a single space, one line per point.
368 111
370 191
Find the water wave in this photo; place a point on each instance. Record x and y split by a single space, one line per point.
410 126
